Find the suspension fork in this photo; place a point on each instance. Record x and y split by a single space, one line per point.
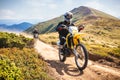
75 52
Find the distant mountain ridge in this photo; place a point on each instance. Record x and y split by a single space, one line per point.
86 11
15 27
80 13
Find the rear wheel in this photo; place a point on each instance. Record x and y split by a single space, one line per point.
81 57
62 56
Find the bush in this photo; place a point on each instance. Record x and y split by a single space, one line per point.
8 70
28 61
11 40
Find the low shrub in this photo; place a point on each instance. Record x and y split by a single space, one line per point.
9 40
25 62
8 70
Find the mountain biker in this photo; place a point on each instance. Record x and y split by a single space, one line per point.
62 27
35 31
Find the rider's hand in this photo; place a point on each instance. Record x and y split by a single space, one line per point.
65 27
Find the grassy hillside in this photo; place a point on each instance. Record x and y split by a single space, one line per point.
45 27
102 14
80 13
49 38
102 38
19 61
102 31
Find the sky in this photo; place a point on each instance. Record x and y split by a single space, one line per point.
42 10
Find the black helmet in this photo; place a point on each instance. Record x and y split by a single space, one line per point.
68 16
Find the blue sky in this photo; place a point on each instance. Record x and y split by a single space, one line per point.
48 9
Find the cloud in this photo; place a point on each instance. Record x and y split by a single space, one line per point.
40 3
94 4
10 14
103 6
40 9
68 2
37 9
6 14
47 9
53 6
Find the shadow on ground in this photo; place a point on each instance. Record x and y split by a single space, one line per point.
62 68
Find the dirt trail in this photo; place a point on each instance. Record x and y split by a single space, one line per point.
68 69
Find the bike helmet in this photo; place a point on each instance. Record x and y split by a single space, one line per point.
68 16
35 29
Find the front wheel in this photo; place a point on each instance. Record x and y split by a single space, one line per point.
81 57
62 56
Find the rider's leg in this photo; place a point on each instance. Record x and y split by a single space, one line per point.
70 41
62 41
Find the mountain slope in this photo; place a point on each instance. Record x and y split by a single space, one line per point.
102 32
80 13
15 27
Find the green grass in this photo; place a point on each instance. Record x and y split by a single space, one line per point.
115 52
28 62
9 40
98 49
8 70
95 45
49 38
19 60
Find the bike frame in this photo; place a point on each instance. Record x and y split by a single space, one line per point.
77 36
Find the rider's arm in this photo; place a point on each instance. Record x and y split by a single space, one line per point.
59 27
